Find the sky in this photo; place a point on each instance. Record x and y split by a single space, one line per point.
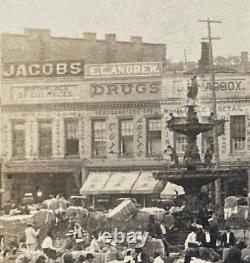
172 22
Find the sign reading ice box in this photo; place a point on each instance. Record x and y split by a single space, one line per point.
119 70
42 69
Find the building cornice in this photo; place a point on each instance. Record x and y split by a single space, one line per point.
77 106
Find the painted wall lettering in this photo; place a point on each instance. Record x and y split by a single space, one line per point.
97 90
123 69
42 69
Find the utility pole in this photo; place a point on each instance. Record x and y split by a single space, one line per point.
218 201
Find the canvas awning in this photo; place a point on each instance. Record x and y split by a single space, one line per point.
147 184
120 182
95 183
172 190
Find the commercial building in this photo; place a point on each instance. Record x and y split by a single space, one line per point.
65 117
87 115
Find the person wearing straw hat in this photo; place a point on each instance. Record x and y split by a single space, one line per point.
89 258
31 237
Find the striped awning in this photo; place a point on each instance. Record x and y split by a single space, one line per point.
95 183
147 184
120 182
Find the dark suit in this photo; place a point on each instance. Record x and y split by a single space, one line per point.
144 258
233 256
154 230
225 242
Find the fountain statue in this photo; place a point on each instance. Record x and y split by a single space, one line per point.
193 173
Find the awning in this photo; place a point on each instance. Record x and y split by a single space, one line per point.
172 190
95 183
120 182
147 184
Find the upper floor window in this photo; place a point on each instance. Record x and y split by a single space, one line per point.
180 142
99 131
45 138
154 127
18 139
71 137
238 133
126 138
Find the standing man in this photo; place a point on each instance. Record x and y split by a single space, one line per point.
228 238
141 256
31 237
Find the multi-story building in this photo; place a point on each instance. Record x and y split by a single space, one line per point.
90 115
63 122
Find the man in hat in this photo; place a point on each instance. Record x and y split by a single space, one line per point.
70 241
234 253
89 258
94 244
141 256
31 237
228 238
153 228
41 259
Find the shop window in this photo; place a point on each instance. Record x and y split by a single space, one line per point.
154 137
126 138
207 139
45 139
238 133
99 131
180 142
18 139
72 137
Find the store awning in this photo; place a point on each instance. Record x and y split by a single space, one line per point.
95 183
120 182
147 184
172 190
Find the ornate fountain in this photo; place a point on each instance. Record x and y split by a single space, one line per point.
193 173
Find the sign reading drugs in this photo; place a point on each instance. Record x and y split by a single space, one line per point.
123 70
42 69
123 89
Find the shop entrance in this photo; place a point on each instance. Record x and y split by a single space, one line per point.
47 184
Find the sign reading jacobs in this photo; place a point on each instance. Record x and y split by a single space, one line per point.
123 70
42 69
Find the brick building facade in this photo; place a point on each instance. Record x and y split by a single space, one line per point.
65 116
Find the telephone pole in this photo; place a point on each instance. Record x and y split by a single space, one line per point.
218 201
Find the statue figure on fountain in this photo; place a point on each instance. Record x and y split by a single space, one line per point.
192 91
173 155
209 154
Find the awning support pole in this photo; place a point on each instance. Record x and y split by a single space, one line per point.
93 202
144 201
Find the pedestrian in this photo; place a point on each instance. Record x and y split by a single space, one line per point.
47 245
234 253
128 257
70 241
31 237
94 244
214 232
41 259
68 258
89 258
157 258
141 256
153 228
228 238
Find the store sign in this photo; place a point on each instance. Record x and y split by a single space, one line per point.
123 70
231 85
120 89
42 69
45 92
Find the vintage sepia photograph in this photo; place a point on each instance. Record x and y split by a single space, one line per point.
124 131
